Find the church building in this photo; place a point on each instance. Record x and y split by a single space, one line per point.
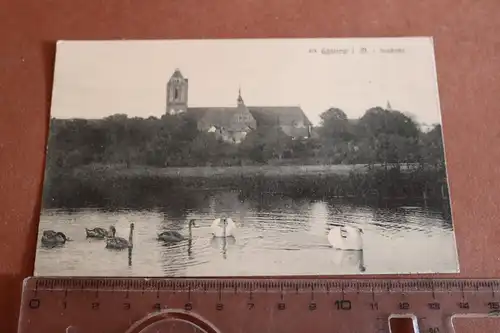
232 124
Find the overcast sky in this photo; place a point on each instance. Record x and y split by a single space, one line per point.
94 79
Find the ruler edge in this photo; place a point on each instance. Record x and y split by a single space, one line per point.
448 320
408 284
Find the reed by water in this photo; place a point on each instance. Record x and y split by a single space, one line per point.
113 186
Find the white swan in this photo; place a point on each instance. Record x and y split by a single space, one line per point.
223 227
346 238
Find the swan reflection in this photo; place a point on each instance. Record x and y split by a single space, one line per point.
349 261
222 244
115 243
190 248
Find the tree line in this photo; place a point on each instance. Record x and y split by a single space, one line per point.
379 136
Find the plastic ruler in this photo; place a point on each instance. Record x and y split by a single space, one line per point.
132 305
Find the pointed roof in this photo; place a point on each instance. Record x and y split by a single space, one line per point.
177 74
279 115
240 99
218 116
389 107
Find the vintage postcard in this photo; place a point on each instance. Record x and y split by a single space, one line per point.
245 157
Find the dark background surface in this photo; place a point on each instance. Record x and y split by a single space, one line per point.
468 61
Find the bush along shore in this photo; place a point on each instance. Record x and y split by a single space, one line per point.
102 186
122 161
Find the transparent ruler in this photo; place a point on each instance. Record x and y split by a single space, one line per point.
107 305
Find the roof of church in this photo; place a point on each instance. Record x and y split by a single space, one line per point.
177 74
264 115
220 116
282 115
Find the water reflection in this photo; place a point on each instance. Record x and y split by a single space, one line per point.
130 257
351 262
222 244
276 235
190 248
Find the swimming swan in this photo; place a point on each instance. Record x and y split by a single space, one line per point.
174 236
99 233
51 238
119 243
225 230
346 238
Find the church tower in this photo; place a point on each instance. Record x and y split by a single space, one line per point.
177 93
240 99
242 118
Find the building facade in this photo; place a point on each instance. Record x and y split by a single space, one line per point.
233 124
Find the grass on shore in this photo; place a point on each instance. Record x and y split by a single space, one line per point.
119 170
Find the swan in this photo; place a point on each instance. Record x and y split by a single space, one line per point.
100 233
52 238
346 238
174 236
226 229
119 243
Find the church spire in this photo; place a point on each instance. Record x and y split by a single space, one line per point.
389 107
240 99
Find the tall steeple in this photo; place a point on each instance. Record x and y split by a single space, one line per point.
388 107
177 93
240 99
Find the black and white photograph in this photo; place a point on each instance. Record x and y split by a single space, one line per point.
245 157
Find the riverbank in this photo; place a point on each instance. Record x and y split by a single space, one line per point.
138 171
119 186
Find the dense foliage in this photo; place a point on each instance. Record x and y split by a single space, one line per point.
380 136
120 162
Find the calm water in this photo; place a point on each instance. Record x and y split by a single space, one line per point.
275 236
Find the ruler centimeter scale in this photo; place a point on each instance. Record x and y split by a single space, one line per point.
222 305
